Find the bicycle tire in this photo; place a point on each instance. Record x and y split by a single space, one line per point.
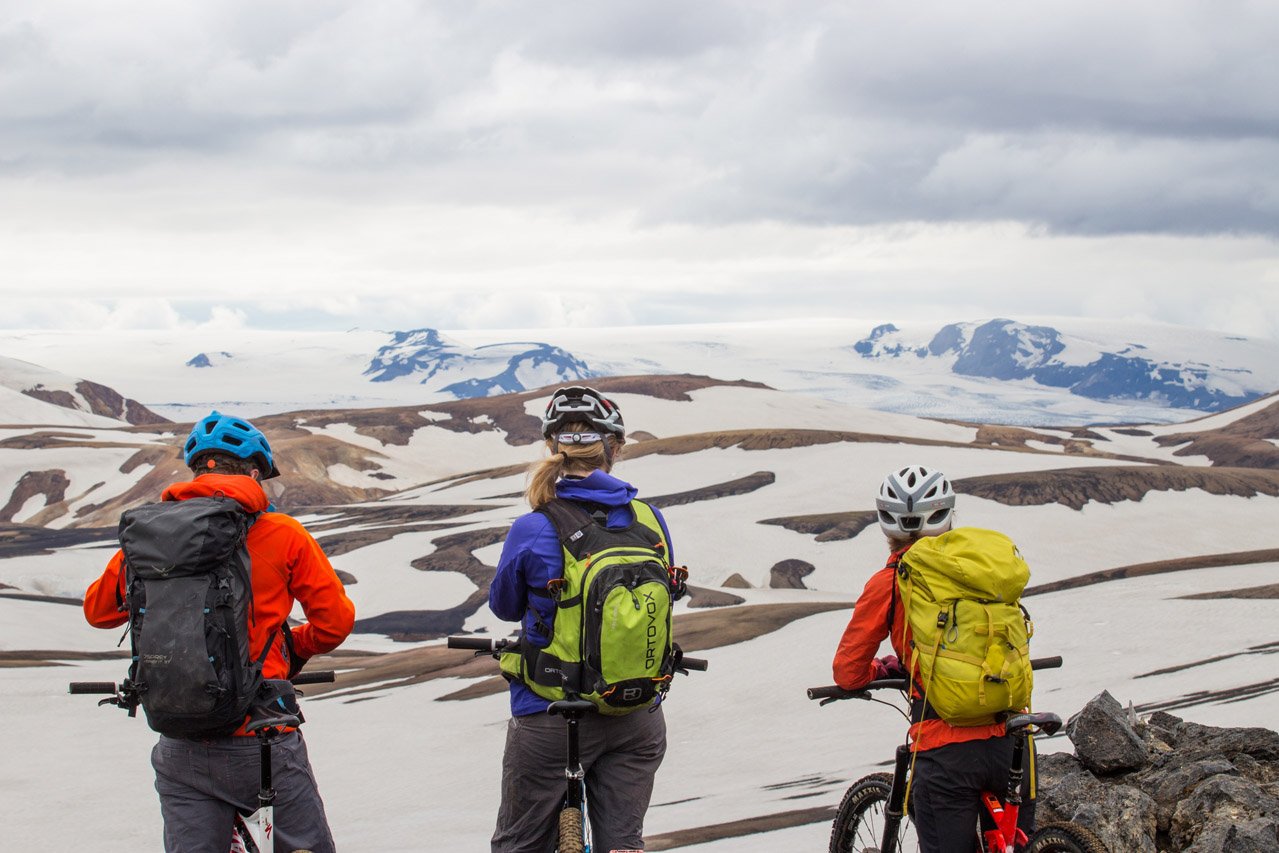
1064 837
859 821
571 838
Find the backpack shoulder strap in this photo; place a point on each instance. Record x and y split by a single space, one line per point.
569 519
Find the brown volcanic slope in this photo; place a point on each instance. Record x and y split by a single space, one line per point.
506 412
1241 444
1072 487
100 400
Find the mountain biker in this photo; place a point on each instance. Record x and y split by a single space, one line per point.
953 764
201 783
584 433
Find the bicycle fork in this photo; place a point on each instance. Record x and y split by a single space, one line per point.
575 776
896 808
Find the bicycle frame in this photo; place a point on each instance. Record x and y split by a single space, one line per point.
254 833
572 708
574 775
1007 835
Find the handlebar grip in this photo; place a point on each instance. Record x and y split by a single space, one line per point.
319 676
698 664
832 691
1046 663
92 687
480 644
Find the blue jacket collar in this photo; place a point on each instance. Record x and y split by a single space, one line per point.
598 487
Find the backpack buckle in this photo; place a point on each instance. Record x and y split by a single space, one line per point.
555 587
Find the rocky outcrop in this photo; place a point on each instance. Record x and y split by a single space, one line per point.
1160 783
99 400
790 574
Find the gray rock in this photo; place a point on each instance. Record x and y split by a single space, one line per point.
1195 741
1170 784
1226 800
1260 835
1123 817
1104 738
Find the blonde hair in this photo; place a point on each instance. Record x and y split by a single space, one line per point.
571 460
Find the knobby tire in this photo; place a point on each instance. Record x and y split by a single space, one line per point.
859 821
1064 838
571 838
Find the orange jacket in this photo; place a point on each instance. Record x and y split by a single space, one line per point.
287 564
878 614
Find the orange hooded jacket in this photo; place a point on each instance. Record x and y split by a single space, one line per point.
878 614
287 564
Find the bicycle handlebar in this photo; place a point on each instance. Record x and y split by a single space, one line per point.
479 644
486 644
319 676
834 691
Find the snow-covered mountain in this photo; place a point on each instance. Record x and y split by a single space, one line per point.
1049 371
426 357
1110 371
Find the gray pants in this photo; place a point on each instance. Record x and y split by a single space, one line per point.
620 756
202 784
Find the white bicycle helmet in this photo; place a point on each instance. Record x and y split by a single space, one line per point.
915 500
580 404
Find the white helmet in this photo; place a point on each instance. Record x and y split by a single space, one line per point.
915 500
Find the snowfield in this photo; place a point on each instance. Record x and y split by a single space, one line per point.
402 769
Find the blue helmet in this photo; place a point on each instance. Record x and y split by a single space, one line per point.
231 435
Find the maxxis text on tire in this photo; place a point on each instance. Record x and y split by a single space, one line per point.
1065 838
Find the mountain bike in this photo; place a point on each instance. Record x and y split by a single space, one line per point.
873 816
574 818
275 711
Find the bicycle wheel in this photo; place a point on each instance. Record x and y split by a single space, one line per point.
859 822
1064 838
571 839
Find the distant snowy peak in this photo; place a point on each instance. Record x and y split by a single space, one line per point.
210 359
1008 350
76 395
426 357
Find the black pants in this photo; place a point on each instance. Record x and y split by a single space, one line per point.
947 791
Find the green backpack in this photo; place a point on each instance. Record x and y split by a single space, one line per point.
611 641
970 634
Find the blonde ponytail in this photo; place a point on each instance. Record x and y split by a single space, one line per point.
574 459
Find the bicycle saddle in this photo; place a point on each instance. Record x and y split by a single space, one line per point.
278 720
1046 722
577 707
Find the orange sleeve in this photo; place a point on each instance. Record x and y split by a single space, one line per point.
330 615
104 605
867 629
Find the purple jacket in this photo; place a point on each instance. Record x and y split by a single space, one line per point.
532 555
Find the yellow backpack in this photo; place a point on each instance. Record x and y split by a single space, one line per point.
970 634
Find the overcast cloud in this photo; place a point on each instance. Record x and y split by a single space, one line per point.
328 163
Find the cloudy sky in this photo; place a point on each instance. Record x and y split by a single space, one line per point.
474 164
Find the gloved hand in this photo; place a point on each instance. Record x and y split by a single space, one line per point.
888 667
295 664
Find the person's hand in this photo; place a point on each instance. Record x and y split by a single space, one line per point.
295 665
888 667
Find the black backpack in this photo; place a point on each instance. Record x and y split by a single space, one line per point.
189 594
